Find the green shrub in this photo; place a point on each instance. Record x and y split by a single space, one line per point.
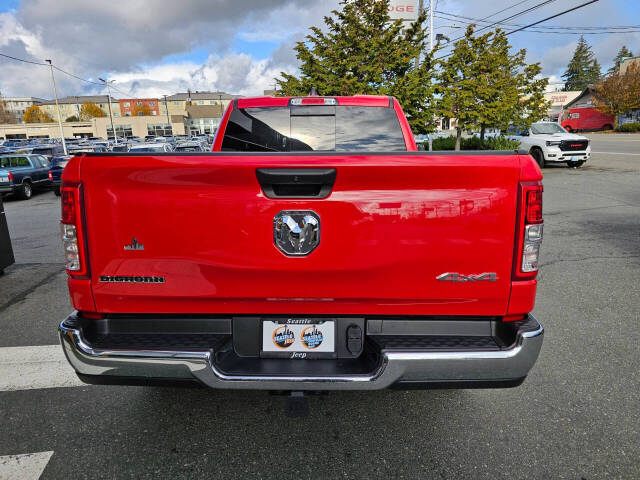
443 143
474 143
629 127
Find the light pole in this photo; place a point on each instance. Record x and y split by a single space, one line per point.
166 106
55 95
113 129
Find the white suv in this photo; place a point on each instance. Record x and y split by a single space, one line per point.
548 142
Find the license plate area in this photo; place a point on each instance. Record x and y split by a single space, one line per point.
298 338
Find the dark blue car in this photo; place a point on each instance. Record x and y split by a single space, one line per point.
57 167
21 174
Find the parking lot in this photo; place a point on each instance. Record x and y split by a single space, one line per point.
577 415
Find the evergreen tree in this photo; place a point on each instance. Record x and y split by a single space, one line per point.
581 70
364 52
483 85
595 72
622 53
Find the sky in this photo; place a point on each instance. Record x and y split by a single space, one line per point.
156 47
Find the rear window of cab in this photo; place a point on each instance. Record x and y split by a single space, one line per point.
313 128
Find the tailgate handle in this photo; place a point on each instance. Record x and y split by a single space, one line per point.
296 182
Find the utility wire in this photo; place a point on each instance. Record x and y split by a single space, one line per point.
65 72
552 16
550 27
505 9
76 76
22 60
530 9
536 23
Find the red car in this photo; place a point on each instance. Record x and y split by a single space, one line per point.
314 249
587 118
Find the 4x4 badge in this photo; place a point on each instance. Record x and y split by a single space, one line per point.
458 277
134 245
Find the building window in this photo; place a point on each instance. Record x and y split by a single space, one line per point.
153 112
139 104
200 102
159 130
176 104
127 104
102 105
152 104
121 130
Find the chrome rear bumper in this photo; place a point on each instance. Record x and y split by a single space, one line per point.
441 368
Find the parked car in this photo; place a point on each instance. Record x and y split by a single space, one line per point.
151 147
21 174
190 147
548 142
48 151
313 249
121 148
586 118
55 172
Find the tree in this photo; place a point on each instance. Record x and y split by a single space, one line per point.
622 53
618 94
90 110
72 118
34 114
364 52
583 69
482 84
141 110
5 115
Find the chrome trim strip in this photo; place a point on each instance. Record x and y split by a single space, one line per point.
512 363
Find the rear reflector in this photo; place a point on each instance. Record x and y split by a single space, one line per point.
68 205
534 206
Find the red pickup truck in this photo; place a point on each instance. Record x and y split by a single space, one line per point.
314 249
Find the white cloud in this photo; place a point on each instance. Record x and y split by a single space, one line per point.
130 44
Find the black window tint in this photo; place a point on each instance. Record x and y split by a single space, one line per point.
368 129
306 128
257 130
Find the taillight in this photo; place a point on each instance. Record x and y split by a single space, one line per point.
50 175
10 176
529 234
72 230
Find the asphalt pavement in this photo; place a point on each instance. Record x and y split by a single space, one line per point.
577 416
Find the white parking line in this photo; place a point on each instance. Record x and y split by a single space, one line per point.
617 153
28 466
27 368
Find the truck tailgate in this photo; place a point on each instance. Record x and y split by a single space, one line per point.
391 224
